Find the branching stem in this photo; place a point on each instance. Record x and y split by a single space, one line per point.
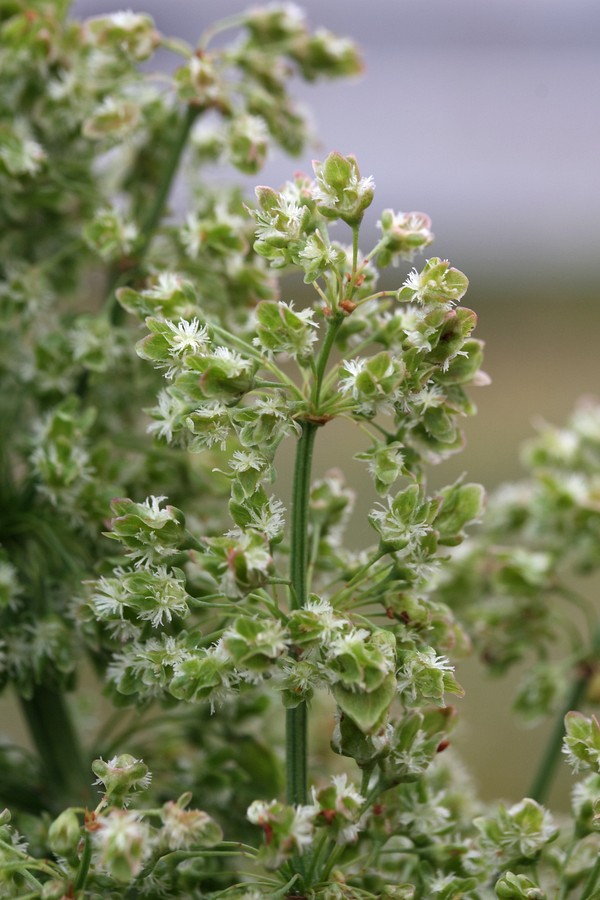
544 777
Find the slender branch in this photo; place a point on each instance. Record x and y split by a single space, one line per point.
544 776
321 293
589 891
253 353
378 296
333 326
84 864
157 209
314 553
171 168
234 21
355 233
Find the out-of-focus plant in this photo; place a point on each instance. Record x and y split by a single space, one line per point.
219 622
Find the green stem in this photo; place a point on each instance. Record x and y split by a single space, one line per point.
544 777
296 754
296 719
333 326
366 777
156 211
67 776
84 864
321 293
589 889
299 520
379 295
313 872
314 552
253 353
234 21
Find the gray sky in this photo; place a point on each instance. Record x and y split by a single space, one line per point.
482 113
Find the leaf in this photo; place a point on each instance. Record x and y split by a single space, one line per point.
366 710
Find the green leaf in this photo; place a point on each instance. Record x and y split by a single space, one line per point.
366 710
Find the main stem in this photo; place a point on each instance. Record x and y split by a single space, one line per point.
296 718
67 776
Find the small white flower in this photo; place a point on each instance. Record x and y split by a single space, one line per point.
413 280
166 284
169 598
159 516
126 19
184 827
243 460
352 368
270 520
236 363
167 415
303 827
123 840
109 598
429 397
329 620
187 337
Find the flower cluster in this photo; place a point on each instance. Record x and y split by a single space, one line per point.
250 601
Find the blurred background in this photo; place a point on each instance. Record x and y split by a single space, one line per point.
484 116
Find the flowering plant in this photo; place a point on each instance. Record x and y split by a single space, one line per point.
228 617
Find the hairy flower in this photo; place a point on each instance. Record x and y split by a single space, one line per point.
184 828
188 337
122 840
287 829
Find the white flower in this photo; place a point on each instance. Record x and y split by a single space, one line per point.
237 364
110 597
184 827
210 425
243 460
123 841
258 812
167 415
187 337
352 368
190 235
344 791
394 527
168 598
330 622
429 397
413 280
269 520
315 251
126 19
355 185
166 284
150 662
303 826
152 504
